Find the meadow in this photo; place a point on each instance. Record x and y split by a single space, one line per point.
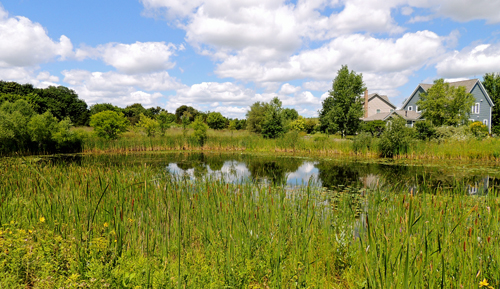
292 143
95 224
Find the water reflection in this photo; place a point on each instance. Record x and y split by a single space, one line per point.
327 173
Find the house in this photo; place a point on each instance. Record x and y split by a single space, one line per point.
480 111
378 107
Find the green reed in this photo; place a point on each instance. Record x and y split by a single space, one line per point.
125 225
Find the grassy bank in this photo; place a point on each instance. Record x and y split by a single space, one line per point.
300 144
95 225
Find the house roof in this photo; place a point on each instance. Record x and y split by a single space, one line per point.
382 97
468 84
405 114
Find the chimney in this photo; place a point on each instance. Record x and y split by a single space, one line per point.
366 103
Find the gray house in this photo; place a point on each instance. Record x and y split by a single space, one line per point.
480 111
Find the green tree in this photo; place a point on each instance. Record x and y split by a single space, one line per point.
273 124
324 122
133 112
395 139
215 120
491 81
40 128
98 107
200 130
443 104
255 117
109 124
345 103
299 124
373 127
14 119
149 125
181 110
165 121
290 114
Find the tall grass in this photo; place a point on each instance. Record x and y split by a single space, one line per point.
120 225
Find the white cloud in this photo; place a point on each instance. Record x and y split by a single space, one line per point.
289 89
471 61
24 43
462 10
317 85
120 89
406 10
139 57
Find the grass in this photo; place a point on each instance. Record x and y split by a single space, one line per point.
121 225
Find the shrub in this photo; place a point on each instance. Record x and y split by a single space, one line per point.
395 139
478 129
425 130
109 124
215 120
461 133
200 130
150 126
362 142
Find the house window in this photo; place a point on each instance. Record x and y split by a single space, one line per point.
410 108
475 108
378 110
485 121
416 108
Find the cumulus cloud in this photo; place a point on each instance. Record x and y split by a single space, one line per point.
139 57
471 61
120 89
24 43
462 10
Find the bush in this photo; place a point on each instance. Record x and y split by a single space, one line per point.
109 124
478 129
461 133
200 130
425 130
362 142
395 139
215 120
150 126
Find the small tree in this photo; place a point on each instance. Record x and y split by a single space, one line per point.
200 130
273 124
299 124
446 105
215 120
165 121
255 117
149 125
109 124
395 139
345 104
185 119
373 127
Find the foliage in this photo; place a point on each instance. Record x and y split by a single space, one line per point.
14 118
150 126
344 107
290 114
396 138
375 127
41 127
453 133
216 121
255 117
98 107
478 129
491 82
362 142
443 104
165 121
310 125
425 130
185 110
200 131
326 107
109 124
133 112
273 124
299 124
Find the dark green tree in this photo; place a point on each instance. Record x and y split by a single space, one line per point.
343 111
179 113
165 121
290 114
98 107
215 120
273 125
133 112
375 127
200 130
443 104
491 81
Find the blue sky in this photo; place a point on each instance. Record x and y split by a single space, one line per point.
224 55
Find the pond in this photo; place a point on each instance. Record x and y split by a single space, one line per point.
473 177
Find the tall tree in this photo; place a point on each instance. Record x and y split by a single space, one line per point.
443 104
215 120
343 109
255 116
491 81
273 125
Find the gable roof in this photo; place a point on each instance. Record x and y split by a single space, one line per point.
384 98
468 84
405 114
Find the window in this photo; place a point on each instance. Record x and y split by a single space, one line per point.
378 110
416 108
410 108
392 110
475 108
485 121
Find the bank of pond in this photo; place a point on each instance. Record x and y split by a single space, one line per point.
213 220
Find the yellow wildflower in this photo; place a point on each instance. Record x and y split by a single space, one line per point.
105 225
42 219
485 283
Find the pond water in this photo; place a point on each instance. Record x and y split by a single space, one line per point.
472 177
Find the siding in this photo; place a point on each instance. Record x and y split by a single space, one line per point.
413 101
377 103
484 106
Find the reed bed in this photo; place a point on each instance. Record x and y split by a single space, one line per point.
96 225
